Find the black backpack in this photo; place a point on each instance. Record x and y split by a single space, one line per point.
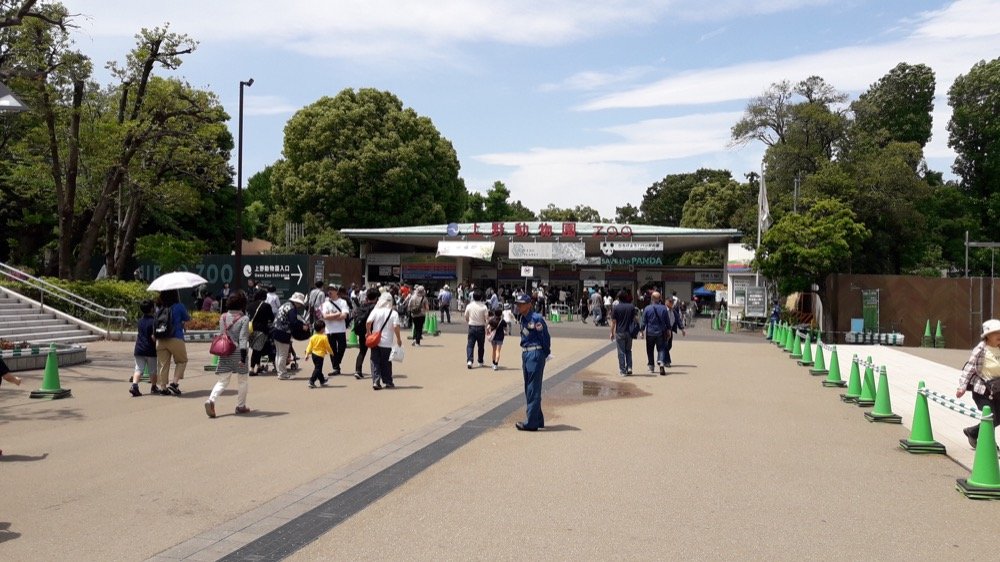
163 324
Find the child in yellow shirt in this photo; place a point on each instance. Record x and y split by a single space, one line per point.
318 348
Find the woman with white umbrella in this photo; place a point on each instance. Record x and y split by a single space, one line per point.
169 335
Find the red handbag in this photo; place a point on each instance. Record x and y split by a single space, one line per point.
222 344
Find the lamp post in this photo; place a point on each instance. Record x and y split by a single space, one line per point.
238 269
9 102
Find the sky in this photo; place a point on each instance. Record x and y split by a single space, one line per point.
568 102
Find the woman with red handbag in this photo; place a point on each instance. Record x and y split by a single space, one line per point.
384 321
233 324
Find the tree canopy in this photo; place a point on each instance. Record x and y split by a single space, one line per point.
362 160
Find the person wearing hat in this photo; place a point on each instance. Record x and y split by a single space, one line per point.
981 375
287 321
536 346
335 311
444 303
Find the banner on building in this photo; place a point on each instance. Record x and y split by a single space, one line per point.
551 251
632 253
465 249
869 309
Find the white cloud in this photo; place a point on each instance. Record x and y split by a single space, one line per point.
268 105
594 80
403 28
607 175
950 41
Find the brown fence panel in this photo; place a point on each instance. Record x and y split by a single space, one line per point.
906 303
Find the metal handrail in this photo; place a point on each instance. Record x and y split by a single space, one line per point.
75 300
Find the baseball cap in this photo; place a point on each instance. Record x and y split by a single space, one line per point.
523 298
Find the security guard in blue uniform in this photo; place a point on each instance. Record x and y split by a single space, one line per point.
536 346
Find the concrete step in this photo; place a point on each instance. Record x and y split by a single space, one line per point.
30 322
14 307
35 328
82 338
53 336
33 317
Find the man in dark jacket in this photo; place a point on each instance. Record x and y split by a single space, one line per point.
360 320
658 323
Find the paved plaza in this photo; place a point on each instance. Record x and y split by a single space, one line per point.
737 454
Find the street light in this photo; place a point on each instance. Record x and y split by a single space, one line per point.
238 270
9 102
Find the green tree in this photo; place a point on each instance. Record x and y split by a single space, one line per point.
898 107
803 248
362 160
726 204
257 203
169 251
974 134
496 206
629 214
580 213
663 202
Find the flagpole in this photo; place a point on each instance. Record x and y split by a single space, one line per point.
760 210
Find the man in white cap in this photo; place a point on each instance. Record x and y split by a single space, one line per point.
287 321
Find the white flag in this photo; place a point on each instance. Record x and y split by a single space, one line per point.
763 210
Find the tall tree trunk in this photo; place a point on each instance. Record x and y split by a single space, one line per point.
127 233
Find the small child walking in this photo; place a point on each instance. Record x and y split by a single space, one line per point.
317 349
496 328
145 350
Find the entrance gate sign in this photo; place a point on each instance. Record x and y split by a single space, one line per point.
632 253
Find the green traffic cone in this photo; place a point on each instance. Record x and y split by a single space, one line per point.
352 338
882 412
50 382
921 436
770 330
938 336
796 347
853 383
434 326
807 356
213 365
833 376
729 328
144 377
984 482
819 365
789 340
868 393
928 339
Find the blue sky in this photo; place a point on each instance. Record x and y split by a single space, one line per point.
571 102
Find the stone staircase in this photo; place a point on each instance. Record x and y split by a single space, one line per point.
23 320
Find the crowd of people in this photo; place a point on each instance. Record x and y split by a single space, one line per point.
262 326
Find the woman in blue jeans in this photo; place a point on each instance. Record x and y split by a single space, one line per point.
622 320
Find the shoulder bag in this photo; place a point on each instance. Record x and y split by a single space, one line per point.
222 344
374 338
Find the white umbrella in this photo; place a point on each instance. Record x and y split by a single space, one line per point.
176 280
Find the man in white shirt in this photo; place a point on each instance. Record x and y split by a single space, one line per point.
335 313
476 316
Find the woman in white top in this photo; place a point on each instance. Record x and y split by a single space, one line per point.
385 319
476 316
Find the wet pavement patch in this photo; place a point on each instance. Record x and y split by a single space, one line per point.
586 386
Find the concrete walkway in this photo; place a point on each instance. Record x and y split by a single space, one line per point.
737 454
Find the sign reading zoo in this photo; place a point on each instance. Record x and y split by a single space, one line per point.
632 253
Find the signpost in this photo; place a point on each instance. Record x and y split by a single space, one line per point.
756 302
